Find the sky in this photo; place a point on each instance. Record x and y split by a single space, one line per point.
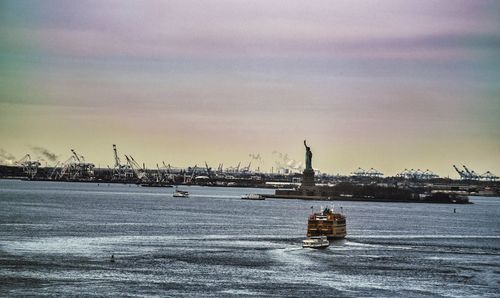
385 84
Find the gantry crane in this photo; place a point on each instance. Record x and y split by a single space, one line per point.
247 168
136 168
121 172
75 169
30 168
463 175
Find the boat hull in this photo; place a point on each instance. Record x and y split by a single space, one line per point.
180 194
320 242
253 197
316 246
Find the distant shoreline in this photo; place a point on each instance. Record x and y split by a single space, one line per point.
357 199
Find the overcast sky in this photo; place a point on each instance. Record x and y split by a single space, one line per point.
384 84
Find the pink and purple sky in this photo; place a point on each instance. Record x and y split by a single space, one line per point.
383 84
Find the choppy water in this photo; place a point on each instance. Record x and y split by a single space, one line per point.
57 239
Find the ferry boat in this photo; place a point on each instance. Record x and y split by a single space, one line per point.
156 184
181 194
316 242
252 197
327 223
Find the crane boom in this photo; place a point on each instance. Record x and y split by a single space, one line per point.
462 174
75 155
117 159
194 172
467 170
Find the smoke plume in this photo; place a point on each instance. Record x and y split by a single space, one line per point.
256 157
284 162
45 153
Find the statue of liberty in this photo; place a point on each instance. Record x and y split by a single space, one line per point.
309 157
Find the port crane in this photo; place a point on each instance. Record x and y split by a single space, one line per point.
75 168
77 158
54 170
190 179
136 168
121 172
209 171
429 175
417 174
117 159
404 174
488 176
220 171
85 170
234 169
204 179
472 174
373 173
167 167
359 172
193 173
246 169
467 174
30 167
463 175
170 175
65 169
160 175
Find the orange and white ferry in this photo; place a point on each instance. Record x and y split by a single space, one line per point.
327 223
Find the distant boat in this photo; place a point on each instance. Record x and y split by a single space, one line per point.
181 194
316 242
156 184
255 197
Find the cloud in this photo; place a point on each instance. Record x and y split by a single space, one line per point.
264 29
6 157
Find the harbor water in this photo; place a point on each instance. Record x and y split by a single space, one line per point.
57 239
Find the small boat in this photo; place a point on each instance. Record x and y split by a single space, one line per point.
253 197
181 194
316 242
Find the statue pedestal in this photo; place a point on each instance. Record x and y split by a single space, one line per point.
307 178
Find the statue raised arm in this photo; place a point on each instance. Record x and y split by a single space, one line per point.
308 157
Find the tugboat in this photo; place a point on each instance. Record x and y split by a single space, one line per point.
316 242
327 223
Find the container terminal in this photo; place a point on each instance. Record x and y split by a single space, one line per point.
408 185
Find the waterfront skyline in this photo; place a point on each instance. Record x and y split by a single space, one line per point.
389 85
